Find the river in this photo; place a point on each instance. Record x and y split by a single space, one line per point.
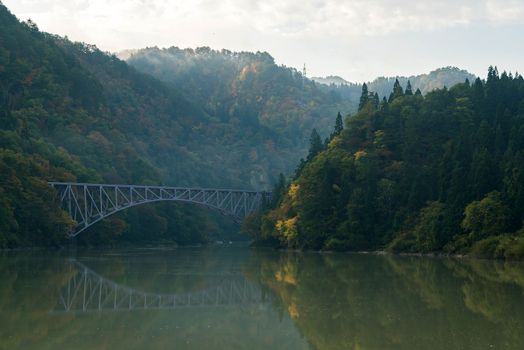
239 298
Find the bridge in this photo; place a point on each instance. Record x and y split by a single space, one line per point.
88 292
88 203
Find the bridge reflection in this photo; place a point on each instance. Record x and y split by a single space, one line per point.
87 291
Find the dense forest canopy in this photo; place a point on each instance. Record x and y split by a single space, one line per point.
441 172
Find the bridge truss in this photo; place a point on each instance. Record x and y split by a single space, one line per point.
89 203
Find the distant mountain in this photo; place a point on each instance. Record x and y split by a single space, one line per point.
437 79
350 92
330 79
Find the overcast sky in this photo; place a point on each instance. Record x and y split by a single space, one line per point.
356 39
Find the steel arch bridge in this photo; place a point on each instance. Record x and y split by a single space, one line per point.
88 203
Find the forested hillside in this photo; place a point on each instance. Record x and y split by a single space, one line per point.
383 86
437 173
248 90
71 112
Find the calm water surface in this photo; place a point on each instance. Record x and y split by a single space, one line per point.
236 298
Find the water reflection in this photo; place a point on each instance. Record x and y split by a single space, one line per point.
235 298
87 291
385 302
183 299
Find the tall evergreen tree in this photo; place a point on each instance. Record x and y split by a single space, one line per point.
364 97
339 126
397 91
493 73
409 90
315 145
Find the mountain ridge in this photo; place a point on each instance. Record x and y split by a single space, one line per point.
338 80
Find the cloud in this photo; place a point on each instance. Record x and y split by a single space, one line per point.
357 17
505 11
282 17
347 36
372 17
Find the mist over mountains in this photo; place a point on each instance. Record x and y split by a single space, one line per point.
188 69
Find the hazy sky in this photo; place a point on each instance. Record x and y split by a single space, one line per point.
356 39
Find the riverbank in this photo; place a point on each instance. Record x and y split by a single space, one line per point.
493 248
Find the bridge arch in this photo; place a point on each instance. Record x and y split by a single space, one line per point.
88 203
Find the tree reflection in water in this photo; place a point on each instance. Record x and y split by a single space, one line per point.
355 301
235 298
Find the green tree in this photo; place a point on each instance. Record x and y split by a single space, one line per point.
397 91
364 97
339 126
409 90
487 217
429 231
315 145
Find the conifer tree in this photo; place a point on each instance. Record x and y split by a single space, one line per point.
315 145
493 73
364 97
409 90
339 126
397 91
